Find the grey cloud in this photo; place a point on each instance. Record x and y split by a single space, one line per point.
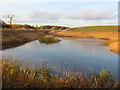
44 16
92 14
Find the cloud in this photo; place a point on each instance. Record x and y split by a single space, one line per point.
92 14
44 16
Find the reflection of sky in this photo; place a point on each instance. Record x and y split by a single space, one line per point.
79 54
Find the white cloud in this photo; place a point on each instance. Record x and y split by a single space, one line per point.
92 14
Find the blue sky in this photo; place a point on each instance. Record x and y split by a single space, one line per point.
71 13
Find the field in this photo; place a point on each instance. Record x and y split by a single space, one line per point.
112 35
94 28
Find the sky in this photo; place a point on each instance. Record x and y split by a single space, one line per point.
71 13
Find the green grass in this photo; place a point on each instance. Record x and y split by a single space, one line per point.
14 76
49 40
95 28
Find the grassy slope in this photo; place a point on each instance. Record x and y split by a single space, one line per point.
104 32
94 28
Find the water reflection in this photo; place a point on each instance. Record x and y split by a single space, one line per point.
75 54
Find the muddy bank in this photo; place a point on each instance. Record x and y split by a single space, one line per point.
16 38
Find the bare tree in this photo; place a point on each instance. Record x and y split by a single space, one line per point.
10 17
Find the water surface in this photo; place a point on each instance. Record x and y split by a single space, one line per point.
86 55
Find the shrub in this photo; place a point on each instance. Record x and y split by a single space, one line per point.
49 40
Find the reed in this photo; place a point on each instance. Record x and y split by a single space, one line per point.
13 76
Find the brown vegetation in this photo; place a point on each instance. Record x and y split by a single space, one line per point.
113 35
12 38
48 39
114 47
14 76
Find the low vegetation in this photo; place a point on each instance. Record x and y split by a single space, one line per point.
14 76
114 47
13 38
94 28
89 34
49 39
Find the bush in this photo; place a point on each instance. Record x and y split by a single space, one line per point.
49 40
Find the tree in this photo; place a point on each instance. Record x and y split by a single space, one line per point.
10 17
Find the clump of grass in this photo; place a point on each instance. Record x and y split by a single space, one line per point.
13 76
49 39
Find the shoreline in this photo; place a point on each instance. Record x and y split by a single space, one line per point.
14 38
111 37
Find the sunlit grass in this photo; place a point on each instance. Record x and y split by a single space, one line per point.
13 76
95 28
49 39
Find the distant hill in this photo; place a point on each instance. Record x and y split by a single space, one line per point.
95 28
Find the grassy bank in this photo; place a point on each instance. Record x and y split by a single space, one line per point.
13 38
114 47
112 35
108 33
14 76
95 28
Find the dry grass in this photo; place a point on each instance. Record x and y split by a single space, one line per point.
15 77
114 47
94 28
113 35
14 38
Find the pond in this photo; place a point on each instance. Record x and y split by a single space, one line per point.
88 55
